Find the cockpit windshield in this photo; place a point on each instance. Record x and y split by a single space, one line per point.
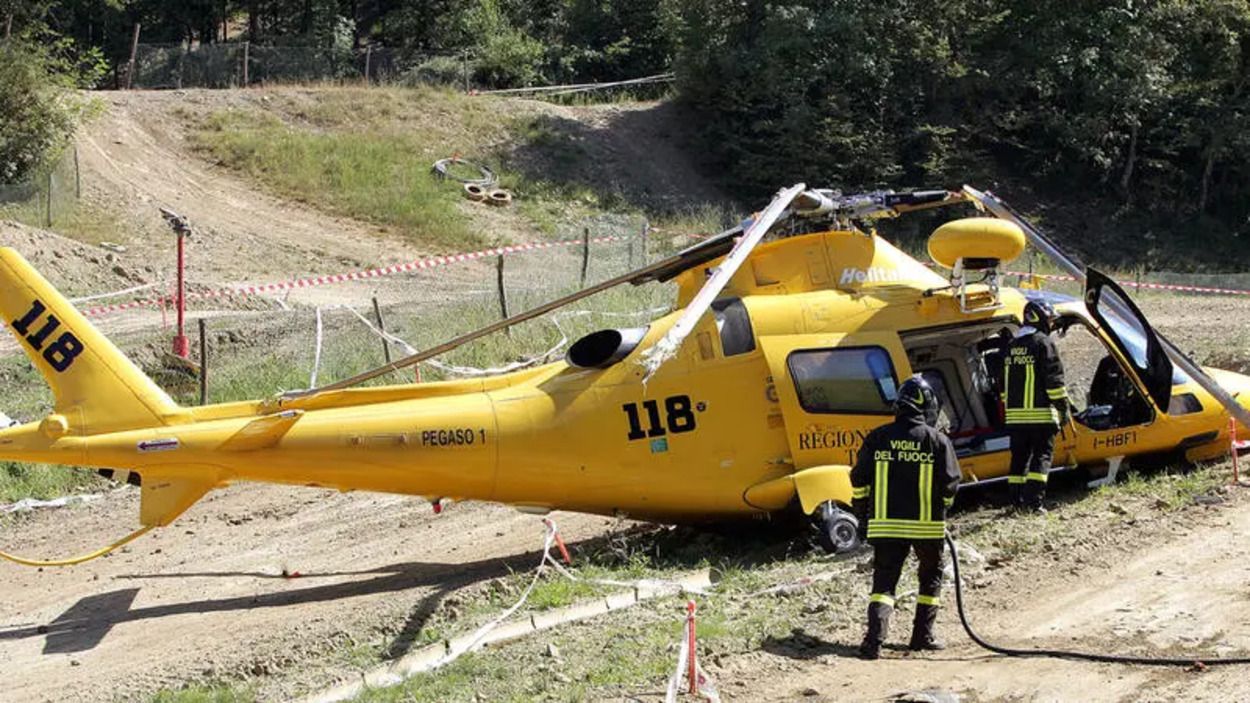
1134 339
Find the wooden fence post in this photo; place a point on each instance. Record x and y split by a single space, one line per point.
77 176
386 345
247 50
8 26
585 253
203 362
368 60
134 49
503 296
646 233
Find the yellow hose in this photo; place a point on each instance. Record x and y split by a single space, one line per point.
79 559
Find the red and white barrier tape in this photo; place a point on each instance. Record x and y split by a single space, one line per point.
313 281
1141 284
115 294
644 584
439 261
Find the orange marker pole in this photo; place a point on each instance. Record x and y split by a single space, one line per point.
690 663
564 551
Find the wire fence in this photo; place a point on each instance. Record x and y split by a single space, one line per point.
47 197
239 64
260 345
233 65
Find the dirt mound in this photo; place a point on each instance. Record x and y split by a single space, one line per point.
73 267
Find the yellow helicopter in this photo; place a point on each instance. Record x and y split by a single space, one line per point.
790 335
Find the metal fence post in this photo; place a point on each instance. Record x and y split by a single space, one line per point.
134 49
386 345
368 60
503 296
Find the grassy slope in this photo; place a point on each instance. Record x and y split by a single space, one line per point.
374 175
367 154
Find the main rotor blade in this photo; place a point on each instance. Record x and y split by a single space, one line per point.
666 347
1076 269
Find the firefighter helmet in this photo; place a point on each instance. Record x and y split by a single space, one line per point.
916 397
1038 314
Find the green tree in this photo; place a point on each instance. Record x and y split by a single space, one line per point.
37 110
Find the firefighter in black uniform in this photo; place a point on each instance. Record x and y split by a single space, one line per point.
904 479
1036 403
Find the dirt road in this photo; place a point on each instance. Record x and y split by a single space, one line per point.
206 599
1167 589
136 155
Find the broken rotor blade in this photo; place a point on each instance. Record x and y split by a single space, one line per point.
666 347
1076 269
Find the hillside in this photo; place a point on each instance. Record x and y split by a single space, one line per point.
198 152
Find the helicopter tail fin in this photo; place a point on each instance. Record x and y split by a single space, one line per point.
94 385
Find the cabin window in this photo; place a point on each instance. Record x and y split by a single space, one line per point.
857 380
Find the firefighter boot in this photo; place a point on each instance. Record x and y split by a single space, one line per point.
922 636
878 628
1015 496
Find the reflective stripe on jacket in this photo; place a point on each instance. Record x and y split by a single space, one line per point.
905 476
1033 386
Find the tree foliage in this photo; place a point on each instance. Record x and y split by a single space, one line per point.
1139 107
38 109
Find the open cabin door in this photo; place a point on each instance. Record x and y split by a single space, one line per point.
1127 328
833 390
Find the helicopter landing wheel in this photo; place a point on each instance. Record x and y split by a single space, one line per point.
837 531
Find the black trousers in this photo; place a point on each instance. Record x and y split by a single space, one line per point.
887 565
1032 448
